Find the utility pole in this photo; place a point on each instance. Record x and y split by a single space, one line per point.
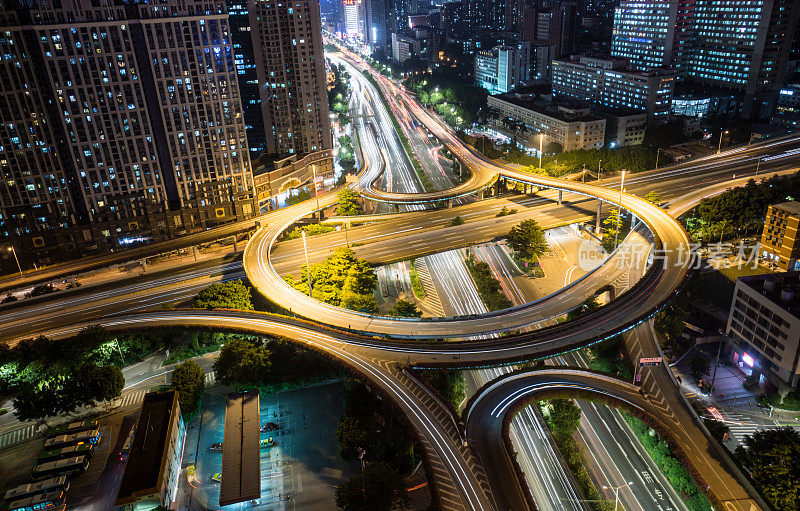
719 147
619 209
541 142
308 266
11 249
714 376
598 169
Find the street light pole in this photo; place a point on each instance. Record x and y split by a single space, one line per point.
598 169
11 249
541 142
719 147
616 490
619 209
657 155
757 166
316 191
308 266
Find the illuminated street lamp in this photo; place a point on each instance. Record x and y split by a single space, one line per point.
308 266
11 249
719 147
619 209
616 492
541 142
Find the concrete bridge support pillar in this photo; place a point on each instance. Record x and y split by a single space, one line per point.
560 196
450 204
599 211
497 188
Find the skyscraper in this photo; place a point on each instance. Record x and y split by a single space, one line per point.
244 58
743 46
644 31
287 39
133 109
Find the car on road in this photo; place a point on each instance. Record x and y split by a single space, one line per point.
216 447
266 443
269 426
216 478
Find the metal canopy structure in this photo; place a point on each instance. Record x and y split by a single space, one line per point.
241 450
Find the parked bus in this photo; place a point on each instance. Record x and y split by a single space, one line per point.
70 451
126 447
67 468
72 427
91 436
48 501
28 489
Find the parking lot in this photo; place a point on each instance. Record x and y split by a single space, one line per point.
300 471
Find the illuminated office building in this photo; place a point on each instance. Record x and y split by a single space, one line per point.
502 68
351 24
244 58
287 40
608 83
743 46
643 33
132 108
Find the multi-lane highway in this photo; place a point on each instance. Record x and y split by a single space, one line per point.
459 478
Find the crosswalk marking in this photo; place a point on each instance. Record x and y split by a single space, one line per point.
16 436
432 301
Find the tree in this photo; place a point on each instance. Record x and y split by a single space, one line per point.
565 416
384 490
717 429
234 294
527 239
93 384
405 309
349 204
652 196
457 221
189 380
610 229
771 458
553 148
342 279
242 362
352 434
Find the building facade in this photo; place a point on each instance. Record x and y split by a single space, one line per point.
150 477
287 39
740 46
138 115
764 327
572 128
780 243
244 58
644 32
503 68
608 83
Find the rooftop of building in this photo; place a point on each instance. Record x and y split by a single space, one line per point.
150 440
782 289
792 207
562 111
615 64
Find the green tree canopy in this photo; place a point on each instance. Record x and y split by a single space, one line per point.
405 309
771 456
384 490
652 196
342 279
189 380
527 239
349 202
565 416
242 362
233 294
